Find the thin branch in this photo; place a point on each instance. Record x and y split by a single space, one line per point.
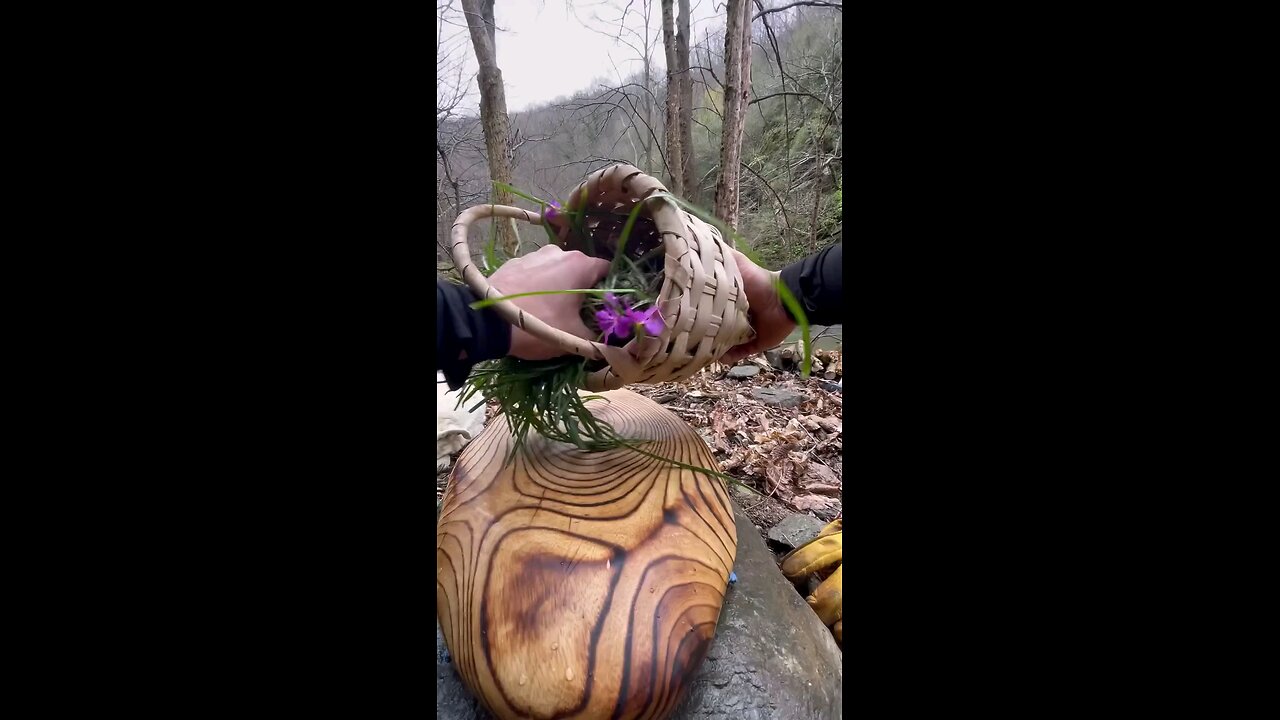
713 74
710 133
773 95
619 89
809 3
635 113
785 218
592 159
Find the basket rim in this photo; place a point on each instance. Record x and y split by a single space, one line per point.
622 364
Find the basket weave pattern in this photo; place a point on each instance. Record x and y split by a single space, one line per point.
701 299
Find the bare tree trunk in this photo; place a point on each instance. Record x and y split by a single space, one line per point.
737 84
674 154
486 11
686 101
493 112
648 116
648 90
743 104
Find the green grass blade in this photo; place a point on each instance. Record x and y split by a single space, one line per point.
797 312
505 187
491 260
481 304
580 217
626 228
551 234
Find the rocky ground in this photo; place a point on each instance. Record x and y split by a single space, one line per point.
779 435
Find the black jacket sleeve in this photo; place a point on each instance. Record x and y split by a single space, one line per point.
464 336
817 283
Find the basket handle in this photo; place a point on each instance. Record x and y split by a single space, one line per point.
460 249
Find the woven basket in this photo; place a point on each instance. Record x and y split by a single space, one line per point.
701 298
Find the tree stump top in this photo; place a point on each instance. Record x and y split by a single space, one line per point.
577 584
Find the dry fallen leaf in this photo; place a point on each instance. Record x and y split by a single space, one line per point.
820 474
812 502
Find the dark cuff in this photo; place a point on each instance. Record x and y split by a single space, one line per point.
817 285
479 334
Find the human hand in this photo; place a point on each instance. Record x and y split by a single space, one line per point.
549 268
768 318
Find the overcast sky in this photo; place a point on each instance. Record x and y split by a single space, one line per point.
547 50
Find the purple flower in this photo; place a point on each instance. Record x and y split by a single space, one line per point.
650 320
612 323
618 320
615 318
553 208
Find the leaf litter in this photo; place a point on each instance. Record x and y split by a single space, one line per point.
790 455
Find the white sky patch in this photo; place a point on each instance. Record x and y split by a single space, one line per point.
549 49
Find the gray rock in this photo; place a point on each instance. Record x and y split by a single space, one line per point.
743 494
831 387
742 372
781 397
453 700
827 514
796 530
772 659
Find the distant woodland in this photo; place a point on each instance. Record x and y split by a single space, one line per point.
743 120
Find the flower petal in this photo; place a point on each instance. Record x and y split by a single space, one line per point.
645 319
654 325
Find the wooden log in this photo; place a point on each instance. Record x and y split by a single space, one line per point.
583 585
834 368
